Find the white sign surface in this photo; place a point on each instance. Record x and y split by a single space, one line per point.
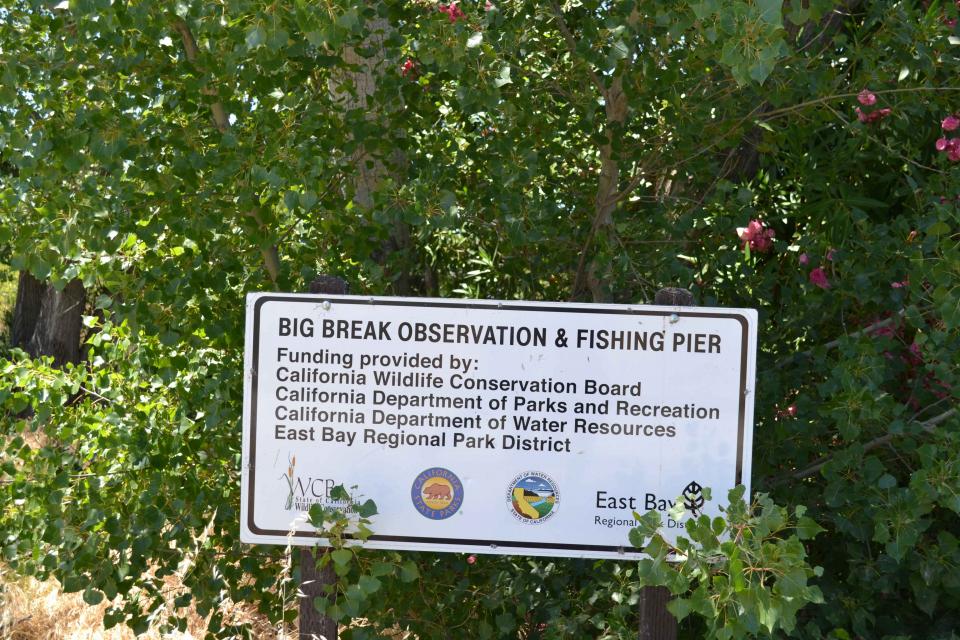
492 427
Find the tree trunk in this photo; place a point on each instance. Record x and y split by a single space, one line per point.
598 273
353 89
26 310
47 321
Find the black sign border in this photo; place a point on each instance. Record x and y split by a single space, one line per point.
475 304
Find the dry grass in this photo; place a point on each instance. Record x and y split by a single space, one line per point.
33 610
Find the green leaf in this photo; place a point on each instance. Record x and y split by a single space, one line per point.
382 569
256 36
736 571
339 494
799 15
506 623
367 509
72 584
807 528
342 557
409 572
369 584
886 481
679 607
316 515
92 597
771 11
760 71
291 199
308 199
705 9
636 537
504 76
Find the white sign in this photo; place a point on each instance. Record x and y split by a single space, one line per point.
492 427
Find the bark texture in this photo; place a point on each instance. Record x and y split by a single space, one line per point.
48 321
353 89
314 583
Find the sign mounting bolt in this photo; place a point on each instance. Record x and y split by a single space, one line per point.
326 305
674 318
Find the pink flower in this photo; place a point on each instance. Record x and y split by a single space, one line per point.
914 354
819 278
950 123
471 559
872 116
452 10
488 6
886 331
866 98
803 259
830 254
951 146
903 284
757 236
407 67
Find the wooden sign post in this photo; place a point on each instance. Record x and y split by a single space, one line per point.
318 582
655 621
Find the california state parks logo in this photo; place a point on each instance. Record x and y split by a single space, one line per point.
533 497
437 493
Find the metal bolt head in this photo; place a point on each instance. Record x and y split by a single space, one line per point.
674 318
326 305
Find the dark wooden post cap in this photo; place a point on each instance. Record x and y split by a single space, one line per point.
674 297
330 284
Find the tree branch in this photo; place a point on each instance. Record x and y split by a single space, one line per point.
927 426
615 105
271 256
220 118
572 46
836 343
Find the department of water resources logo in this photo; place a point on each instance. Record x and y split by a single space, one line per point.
533 497
437 493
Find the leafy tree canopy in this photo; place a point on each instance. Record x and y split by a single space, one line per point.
173 156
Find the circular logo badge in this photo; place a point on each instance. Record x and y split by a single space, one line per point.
437 493
533 497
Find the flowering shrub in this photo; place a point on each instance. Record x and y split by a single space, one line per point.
757 236
818 277
868 98
950 146
452 10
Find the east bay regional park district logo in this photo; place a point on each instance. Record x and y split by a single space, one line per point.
533 497
437 493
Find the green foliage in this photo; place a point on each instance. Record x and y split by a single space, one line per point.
746 574
502 152
8 297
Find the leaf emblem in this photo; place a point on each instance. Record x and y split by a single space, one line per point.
693 498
